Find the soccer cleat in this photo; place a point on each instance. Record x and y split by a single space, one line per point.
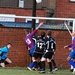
35 69
55 69
71 70
50 72
42 72
29 69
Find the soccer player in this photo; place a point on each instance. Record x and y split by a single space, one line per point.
54 50
72 53
30 44
40 46
3 55
50 46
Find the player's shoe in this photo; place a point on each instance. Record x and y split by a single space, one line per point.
35 69
55 69
42 71
71 70
51 72
29 69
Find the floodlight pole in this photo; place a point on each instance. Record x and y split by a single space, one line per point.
34 14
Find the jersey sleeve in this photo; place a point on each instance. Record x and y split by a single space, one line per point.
33 33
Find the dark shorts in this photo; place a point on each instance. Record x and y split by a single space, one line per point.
37 55
2 60
72 54
48 55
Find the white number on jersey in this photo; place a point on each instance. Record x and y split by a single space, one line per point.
28 41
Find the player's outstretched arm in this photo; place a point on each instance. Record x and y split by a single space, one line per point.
39 25
66 46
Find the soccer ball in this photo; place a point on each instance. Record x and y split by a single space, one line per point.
38 1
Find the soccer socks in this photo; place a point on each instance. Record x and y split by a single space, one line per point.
31 65
50 66
36 64
42 65
53 62
72 63
71 67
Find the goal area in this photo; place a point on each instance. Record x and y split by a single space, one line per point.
15 32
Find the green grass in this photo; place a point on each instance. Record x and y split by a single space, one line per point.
24 71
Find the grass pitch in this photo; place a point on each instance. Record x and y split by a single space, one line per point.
24 71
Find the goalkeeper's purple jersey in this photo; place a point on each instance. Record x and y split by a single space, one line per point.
73 44
29 41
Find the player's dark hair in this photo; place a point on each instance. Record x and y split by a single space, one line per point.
9 43
49 33
42 34
27 31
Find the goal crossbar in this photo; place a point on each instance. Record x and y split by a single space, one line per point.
43 18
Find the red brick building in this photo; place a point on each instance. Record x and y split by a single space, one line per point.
65 9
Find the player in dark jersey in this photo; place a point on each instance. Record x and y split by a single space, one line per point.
50 47
40 46
54 50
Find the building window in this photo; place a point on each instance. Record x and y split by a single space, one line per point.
30 20
72 0
7 19
21 3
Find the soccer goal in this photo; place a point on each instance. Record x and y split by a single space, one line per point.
62 30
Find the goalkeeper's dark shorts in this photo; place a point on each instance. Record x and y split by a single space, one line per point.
2 60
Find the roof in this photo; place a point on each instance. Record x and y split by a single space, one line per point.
29 25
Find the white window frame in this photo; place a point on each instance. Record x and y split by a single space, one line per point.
37 20
21 3
8 19
72 0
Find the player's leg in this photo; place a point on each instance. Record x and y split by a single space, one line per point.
50 54
54 64
71 69
42 65
70 59
32 64
42 62
2 64
50 65
8 60
35 60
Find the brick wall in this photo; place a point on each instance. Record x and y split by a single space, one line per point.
18 52
65 9
22 12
